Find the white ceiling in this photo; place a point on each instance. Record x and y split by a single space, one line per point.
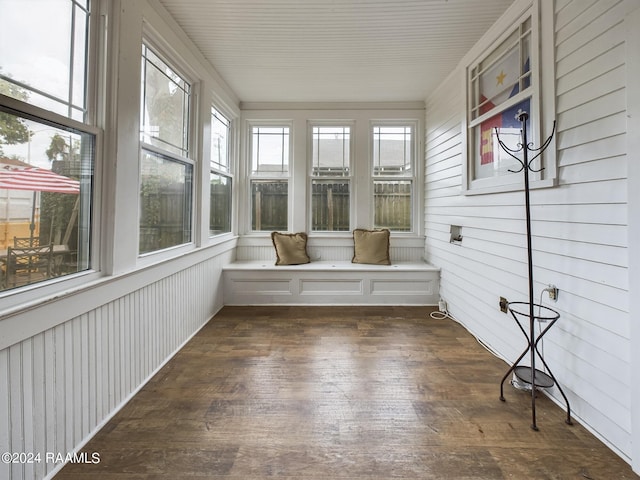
334 50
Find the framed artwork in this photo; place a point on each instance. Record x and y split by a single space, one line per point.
503 81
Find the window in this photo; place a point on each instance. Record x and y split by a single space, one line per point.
314 189
220 179
502 82
393 176
270 146
55 77
330 182
165 202
46 163
166 170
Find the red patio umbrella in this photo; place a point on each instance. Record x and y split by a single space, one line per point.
37 180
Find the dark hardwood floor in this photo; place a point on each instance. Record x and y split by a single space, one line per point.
312 393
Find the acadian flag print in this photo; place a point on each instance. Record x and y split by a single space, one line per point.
499 83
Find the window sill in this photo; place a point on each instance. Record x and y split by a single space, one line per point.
35 309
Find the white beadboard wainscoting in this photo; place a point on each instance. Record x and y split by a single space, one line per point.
59 386
330 283
338 247
579 227
330 278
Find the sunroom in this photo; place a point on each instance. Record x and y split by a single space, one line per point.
149 147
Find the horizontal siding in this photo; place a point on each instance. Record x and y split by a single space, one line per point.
579 227
58 387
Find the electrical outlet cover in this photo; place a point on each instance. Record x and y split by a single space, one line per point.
504 304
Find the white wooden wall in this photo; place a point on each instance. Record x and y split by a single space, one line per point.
579 227
632 27
58 387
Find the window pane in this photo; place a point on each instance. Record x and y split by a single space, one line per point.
392 202
503 74
46 179
270 150
165 202
392 150
330 205
220 209
78 62
269 200
219 141
492 160
44 61
164 114
331 153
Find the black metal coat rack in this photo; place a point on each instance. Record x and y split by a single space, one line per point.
522 310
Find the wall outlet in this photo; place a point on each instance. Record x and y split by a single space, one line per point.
504 304
442 306
553 292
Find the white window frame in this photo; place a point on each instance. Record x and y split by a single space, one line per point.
413 178
160 49
42 291
217 169
58 104
283 176
542 101
311 124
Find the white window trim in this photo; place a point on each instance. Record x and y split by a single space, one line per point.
167 54
283 174
41 291
230 128
250 176
348 178
541 117
29 296
415 169
229 173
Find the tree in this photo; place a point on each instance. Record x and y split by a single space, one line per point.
13 130
59 149
57 209
165 102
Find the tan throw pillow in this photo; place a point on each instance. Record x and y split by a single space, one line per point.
291 248
371 246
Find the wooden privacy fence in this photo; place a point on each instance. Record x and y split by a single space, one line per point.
269 205
162 219
163 224
220 208
330 207
392 204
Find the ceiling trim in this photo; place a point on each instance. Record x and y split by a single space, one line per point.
415 105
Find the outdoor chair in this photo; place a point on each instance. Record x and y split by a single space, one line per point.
26 242
27 265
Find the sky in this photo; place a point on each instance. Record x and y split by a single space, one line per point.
35 50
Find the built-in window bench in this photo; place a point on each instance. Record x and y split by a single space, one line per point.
327 282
